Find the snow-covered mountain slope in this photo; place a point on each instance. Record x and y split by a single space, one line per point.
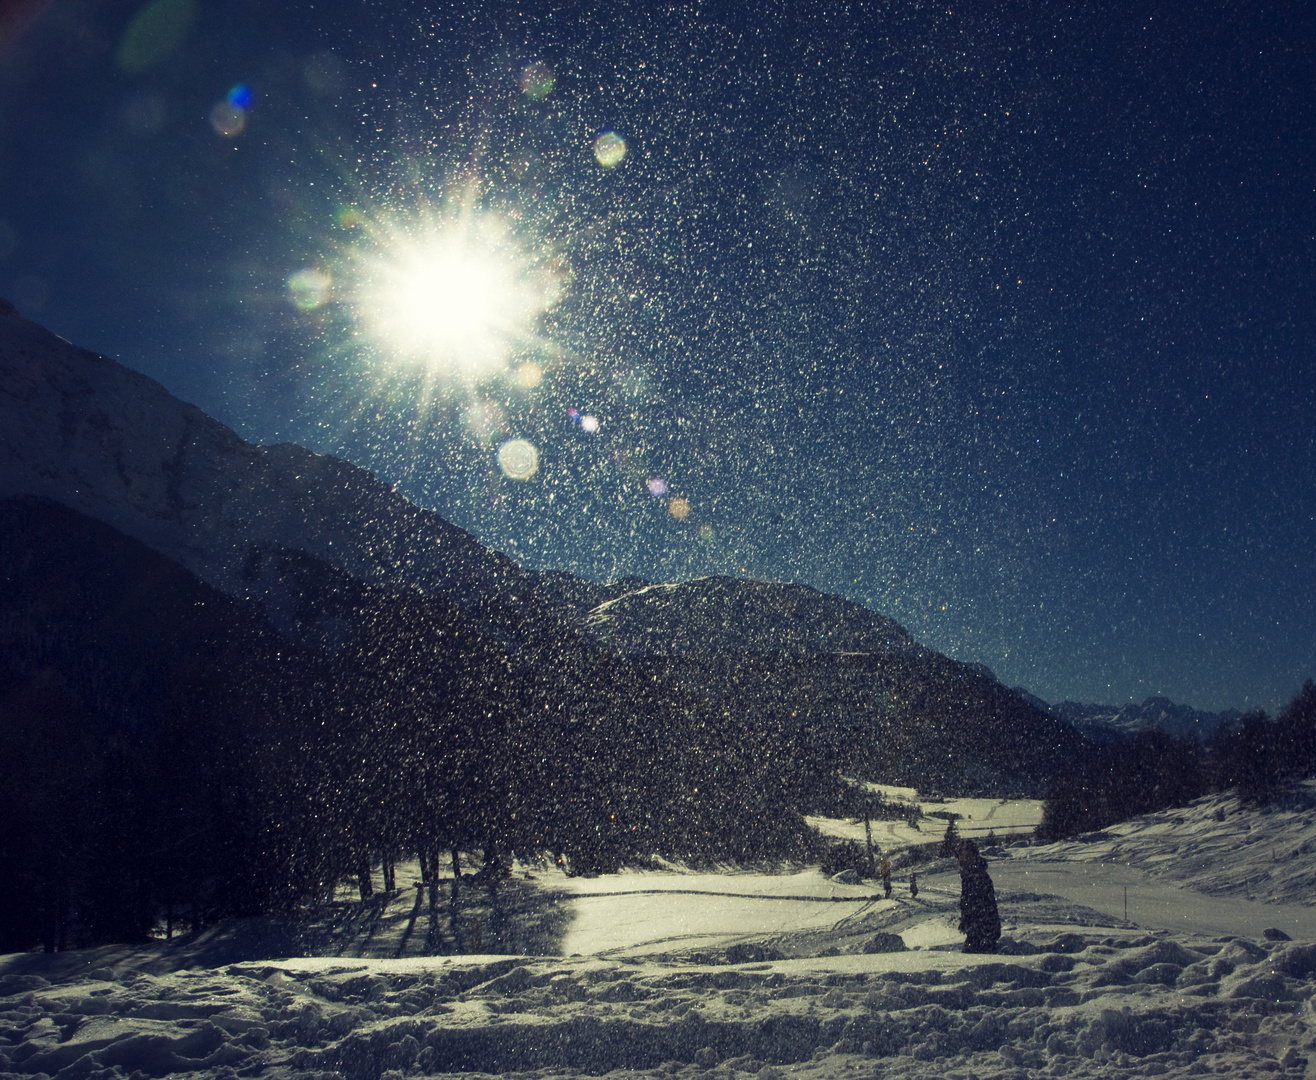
1212 846
87 432
718 614
1101 722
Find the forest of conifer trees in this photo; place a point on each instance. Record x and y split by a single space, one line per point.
167 757
1258 758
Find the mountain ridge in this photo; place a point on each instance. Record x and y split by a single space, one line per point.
88 432
719 612
1157 711
278 524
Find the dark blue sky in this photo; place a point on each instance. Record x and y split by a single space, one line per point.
995 318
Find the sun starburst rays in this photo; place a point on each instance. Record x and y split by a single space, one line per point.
456 295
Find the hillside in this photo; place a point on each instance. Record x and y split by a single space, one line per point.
1213 847
301 534
836 687
83 430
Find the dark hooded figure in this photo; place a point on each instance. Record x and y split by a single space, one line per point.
979 920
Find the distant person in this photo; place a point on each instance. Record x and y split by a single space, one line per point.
913 886
980 922
885 873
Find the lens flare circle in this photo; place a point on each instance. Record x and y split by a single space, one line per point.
519 459
227 119
455 296
609 149
309 288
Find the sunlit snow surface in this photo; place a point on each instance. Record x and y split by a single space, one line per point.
975 819
719 974
643 912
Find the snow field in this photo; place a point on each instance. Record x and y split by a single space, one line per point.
1212 846
1076 1005
977 818
714 976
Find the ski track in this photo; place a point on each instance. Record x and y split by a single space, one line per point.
827 991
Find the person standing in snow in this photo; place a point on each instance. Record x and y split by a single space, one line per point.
884 872
980 922
913 886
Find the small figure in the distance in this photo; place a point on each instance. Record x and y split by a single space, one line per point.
980 922
913 886
884 872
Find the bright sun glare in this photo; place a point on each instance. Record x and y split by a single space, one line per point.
456 298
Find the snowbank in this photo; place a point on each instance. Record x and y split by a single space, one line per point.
710 976
1079 1004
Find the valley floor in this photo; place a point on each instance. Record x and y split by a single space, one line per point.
698 975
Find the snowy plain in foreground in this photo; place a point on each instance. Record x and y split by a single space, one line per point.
692 974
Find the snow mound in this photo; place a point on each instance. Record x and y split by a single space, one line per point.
712 975
1212 846
1081 1005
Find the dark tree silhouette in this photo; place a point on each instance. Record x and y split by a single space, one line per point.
951 839
1295 735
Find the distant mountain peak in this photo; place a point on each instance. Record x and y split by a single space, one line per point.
1157 711
719 613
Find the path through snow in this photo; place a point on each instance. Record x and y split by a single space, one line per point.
711 977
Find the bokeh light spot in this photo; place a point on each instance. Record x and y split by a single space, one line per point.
680 508
589 424
241 97
537 81
349 217
227 120
529 375
518 459
609 149
309 288
154 32
657 486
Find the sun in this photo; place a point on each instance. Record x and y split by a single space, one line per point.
458 296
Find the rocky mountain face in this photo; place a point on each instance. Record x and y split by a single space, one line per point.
1101 723
85 431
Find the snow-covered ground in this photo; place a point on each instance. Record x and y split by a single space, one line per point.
776 974
977 819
